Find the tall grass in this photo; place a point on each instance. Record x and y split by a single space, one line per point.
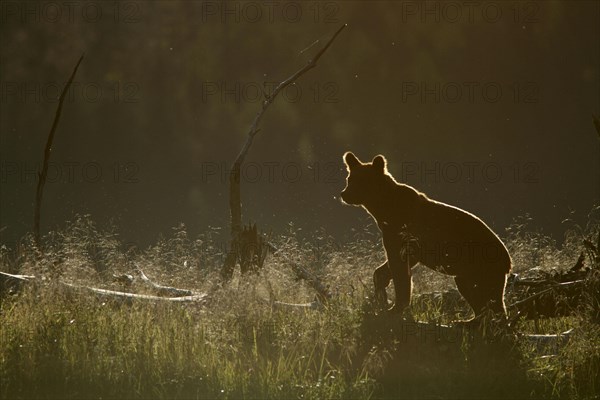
60 343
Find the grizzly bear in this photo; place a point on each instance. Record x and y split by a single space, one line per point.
417 229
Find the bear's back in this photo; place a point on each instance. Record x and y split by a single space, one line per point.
451 234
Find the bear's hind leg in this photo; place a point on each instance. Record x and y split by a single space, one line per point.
468 290
493 293
483 294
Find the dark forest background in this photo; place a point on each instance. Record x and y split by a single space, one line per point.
487 107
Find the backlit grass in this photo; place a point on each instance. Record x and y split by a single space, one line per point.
59 343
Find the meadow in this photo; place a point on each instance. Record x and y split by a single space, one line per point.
58 342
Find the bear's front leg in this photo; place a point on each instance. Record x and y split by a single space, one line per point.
381 279
401 275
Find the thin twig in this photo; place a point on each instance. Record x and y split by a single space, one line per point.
44 172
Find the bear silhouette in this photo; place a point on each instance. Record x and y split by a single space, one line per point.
417 229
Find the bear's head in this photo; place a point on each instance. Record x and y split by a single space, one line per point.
364 179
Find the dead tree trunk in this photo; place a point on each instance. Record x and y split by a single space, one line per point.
44 172
235 202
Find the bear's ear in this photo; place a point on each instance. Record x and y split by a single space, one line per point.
379 163
351 160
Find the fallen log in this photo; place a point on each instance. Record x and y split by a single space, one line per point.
5 276
560 299
549 345
201 297
515 281
302 273
313 305
164 290
123 279
413 334
11 283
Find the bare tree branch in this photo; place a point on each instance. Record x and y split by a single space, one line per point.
235 202
234 179
270 98
44 172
